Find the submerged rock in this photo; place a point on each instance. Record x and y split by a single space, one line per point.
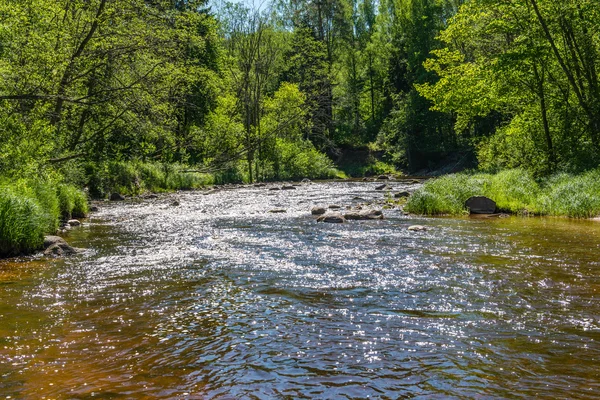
480 205
335 218
364 215
400 195
116 197
57 246
213 191
318 210
288 187
334 206
383 177
278 211
382 187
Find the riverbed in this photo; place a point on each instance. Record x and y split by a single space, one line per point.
216 297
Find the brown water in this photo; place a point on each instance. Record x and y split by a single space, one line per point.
217 298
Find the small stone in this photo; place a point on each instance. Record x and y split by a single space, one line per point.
382 187
57 246
306 180
260 185
74 222
383 177
175 203
278 211
116 197
213 191
318 210
417 228
94 209
288 187
400 195
335 207
275 188
364 215
334 218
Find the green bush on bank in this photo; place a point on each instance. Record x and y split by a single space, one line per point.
22 223
133 178
30 208
514 191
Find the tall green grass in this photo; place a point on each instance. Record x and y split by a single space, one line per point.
133 178
22 223
30 208
514 191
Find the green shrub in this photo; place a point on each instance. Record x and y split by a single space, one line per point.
572 196
447 194
514 191
22 223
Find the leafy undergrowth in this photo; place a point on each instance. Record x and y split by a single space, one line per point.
514 191
30 208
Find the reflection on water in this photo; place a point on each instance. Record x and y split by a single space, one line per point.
217 298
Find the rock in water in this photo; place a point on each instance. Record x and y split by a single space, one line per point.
56 246
116 197
277 211
480 205
73 222
382 187
288 187
400 195
417 228
365 214
335 218
318 210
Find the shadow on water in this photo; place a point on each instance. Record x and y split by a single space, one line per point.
218 298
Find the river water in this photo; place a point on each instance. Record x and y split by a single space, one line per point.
218 298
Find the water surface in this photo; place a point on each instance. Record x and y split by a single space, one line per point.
217 298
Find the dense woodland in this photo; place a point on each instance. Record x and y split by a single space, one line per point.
143 94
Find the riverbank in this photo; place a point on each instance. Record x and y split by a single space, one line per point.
514 191
33 207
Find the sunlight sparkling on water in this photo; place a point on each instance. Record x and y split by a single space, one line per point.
218 298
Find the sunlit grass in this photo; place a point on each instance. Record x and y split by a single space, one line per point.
30 208
514 191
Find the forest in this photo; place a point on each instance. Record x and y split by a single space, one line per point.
99 96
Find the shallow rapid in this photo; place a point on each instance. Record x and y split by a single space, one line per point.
218 298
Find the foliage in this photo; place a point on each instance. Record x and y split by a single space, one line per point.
22 225
30 208
514 191
133 178
529 68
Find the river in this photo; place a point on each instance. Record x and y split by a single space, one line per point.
218 298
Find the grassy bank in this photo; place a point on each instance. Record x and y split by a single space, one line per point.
514 191
30 208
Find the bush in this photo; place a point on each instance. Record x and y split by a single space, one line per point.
572 196
513 191
446 195
22 223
